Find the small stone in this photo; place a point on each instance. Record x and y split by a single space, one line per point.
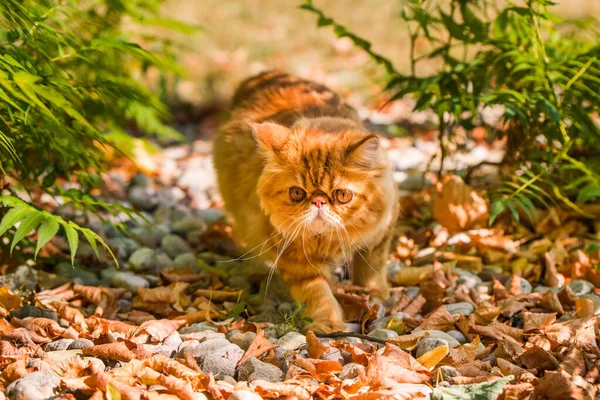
202 336
383 334
170 195
32 311
123 247
526 287
291 341
429 343
24 277
187 260
38 385
412 291
210 216
467 278
80 343
174 245
351 371
77 274
188 224
219 347
390 322
218 366
58 345
146 259
253 369
127 280
198 327
438 335
142 198
541 289
448 372
380 310
244 395
458 335
461 308
241 339
149 235
581 287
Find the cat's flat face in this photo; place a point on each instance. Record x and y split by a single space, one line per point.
323 177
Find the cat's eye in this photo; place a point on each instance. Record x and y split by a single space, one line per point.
343 195
297 193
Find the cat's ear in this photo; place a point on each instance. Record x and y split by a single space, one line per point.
364 152
269 135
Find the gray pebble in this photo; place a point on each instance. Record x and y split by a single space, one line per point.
241 339
187 260
23 277
429 343
80 344
35 312
448 372
526 287
188 224
174 245
291 341
202 336
146 259
412 291
38 385
581 287
253 369
58 345
383 333
128 280
458 335
461 308
438 335
198 327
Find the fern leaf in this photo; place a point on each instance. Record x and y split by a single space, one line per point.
13 216
92 240
72 238
33 219
47 231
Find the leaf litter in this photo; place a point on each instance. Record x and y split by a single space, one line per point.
509 312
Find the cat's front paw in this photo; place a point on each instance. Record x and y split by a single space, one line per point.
325 326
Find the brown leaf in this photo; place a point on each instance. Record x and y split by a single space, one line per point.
7 350
161 294
508 350
585 308
71 314
120 351
315 347
393 367
536 357
440 320
259 346
484 314
551 302
415 305
408 342
180 275
412 276
536 321
220 295
8 301
317 367
193 317
457 207
464 353
558 385
574 363
159 329
359 356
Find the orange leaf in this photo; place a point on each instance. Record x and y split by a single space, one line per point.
8 300
315 347
259 346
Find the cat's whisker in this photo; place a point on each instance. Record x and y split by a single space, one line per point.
361 236
360 253
304 249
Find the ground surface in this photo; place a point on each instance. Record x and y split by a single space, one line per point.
510 311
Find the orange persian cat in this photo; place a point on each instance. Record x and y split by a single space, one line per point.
309 188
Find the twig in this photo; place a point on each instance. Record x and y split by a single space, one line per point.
340 334
472 168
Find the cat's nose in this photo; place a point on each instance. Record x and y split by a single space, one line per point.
319 202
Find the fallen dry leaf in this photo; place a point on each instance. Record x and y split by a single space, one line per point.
457 206
315 347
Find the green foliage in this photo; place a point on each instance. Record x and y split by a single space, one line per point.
477 391
543 72
30 218
67 84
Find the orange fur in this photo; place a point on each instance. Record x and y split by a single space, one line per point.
286 132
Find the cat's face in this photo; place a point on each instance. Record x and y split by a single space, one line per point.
323 176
